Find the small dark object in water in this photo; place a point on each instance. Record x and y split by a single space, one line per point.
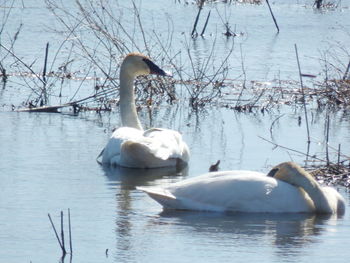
318 4
214 167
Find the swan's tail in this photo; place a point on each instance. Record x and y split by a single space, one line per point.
157 192
162 196
101 153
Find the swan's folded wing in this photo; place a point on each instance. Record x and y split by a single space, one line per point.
166 144
130 147
229 191
111 153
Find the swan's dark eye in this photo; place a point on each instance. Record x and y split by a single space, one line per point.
273 172
154 69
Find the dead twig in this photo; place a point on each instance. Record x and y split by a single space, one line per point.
194 33
303 94
273 123
273 17
327 139
70 233
61 241
58 239
205 25
292 150
23 63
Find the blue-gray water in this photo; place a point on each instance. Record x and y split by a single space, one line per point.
48 164
48 161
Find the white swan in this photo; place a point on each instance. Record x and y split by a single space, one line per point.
130 146
291 190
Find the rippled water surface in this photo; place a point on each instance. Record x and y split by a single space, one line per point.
48 164
48 161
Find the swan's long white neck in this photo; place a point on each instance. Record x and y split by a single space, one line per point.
324 202
314 190
127 100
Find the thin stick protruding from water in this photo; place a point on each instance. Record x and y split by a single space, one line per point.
206 23
194 33
44 73
70 233
346 71
338 163
273 17
318 4
62 234
302 91
61 239
327 139
45 61
23 63
290 149
54 228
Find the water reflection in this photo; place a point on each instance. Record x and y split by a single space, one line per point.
125 180
67 258
286 233
129 178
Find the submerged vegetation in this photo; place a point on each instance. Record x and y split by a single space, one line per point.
97 36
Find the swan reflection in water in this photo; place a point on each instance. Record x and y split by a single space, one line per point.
287 234
124 181
129 178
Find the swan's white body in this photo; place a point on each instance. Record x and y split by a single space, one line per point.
134 148
239 191
130 146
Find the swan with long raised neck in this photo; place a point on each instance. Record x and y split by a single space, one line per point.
131 146
287 189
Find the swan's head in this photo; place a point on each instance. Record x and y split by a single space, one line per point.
291 173
294 174
136 64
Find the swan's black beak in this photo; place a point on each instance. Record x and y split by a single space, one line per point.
272 172
154 69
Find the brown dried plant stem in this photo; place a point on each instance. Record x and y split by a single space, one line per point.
244 76
345 77
303 94
327 139
137 13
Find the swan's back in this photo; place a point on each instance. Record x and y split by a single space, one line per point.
111 153
236 191
130 147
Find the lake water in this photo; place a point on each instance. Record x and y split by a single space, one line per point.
48 160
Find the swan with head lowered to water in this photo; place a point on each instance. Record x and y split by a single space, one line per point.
131 146
288 188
